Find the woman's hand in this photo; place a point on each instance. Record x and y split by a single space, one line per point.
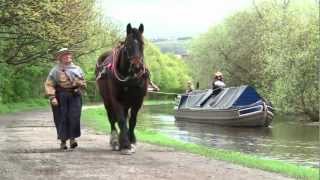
80 83
54 101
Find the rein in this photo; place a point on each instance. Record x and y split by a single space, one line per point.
165 93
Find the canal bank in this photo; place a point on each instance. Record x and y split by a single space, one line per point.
29 150
97 119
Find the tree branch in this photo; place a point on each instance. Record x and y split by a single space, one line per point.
257 10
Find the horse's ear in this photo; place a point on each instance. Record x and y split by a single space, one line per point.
129 28
141 28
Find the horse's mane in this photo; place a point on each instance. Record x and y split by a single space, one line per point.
103 56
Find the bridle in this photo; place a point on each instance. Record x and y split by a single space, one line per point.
134 62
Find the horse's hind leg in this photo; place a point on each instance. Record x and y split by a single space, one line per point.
105 94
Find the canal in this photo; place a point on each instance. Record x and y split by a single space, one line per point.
287 139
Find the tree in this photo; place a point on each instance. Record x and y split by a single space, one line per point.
263 47
168 71
32 30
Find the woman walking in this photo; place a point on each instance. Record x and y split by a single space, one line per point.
64 86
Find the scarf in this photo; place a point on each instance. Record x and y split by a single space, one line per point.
72 71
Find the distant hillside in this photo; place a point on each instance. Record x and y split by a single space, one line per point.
176 46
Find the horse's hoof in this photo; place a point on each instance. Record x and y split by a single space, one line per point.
126 151
114 143
115 147
133 148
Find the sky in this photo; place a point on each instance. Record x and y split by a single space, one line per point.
171 18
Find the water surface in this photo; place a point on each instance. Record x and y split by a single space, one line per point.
287 138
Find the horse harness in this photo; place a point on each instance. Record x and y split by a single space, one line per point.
109 65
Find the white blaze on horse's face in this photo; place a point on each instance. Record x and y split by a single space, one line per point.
134 52
133 49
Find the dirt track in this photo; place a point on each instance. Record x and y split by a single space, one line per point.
29 150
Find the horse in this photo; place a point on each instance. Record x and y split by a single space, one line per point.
122 80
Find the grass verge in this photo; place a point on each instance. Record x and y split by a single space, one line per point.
96 118
23 106
157 102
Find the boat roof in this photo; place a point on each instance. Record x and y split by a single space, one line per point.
225 98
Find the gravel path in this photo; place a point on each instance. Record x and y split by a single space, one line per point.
29 150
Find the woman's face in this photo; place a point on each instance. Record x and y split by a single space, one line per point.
65 58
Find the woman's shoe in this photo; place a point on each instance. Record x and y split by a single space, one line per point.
73 143
63 145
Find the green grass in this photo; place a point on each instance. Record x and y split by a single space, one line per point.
32 104
157 102
23 106
97 119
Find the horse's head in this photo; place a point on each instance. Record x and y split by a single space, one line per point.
133 48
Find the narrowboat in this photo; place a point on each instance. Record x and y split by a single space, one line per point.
232 106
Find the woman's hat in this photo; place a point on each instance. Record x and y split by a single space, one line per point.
63 51
218 74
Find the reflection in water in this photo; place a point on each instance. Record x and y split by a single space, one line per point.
225 137
287 139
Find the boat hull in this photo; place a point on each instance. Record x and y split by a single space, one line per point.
231 117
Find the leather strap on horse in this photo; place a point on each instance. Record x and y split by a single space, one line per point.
110 65
140 62
115 55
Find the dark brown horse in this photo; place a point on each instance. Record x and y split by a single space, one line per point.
122 80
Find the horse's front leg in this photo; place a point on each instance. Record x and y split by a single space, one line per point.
132 125
125 146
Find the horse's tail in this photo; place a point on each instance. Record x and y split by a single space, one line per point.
100 61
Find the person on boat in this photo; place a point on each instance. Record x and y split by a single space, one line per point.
190 87
197 85
218 81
